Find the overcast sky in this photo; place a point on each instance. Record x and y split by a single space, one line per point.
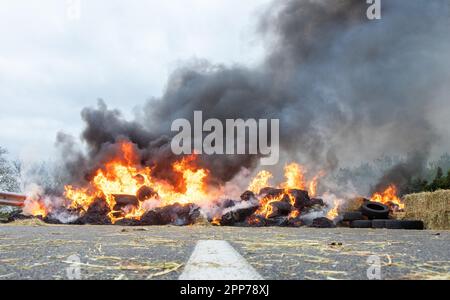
53 64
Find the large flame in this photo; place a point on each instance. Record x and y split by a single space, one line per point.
36 208
124 176
389 197
314 183
260 181
295 179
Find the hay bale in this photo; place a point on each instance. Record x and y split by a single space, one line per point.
398 215
432 208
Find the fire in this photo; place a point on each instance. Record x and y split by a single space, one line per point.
216 221
389 197
314 183
333 213
294 214
80 197
266 208
194 180
124 179
295 177
260 181
36 208
124 176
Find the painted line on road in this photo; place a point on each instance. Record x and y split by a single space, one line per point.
217 260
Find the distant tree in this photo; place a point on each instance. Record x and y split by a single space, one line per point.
418 185
443 162
447 181
440 182
439 173
9 174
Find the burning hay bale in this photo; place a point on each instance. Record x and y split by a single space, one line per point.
432 208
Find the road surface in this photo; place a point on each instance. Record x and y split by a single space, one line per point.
109 252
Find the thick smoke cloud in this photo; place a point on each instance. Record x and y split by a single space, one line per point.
342 86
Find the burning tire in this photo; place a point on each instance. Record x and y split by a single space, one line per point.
375 210
361 224
405 224
353 216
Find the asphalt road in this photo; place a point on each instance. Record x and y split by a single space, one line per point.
109 252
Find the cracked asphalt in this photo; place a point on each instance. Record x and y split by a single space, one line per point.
112 252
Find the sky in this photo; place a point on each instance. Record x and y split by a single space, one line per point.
57 57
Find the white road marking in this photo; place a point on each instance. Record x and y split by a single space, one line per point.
217 260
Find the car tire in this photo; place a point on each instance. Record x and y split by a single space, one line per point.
361 224
353 216
379 224
405 224
375 210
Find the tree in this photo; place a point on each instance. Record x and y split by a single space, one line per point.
447 181
440 182
439 174
9 174
418 185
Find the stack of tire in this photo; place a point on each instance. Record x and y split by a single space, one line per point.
376 215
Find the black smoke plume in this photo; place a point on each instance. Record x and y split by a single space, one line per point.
344 88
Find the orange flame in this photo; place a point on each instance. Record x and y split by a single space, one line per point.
36 208
123 176
260 181
388 197
266 208
333 213
295 177
314 183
